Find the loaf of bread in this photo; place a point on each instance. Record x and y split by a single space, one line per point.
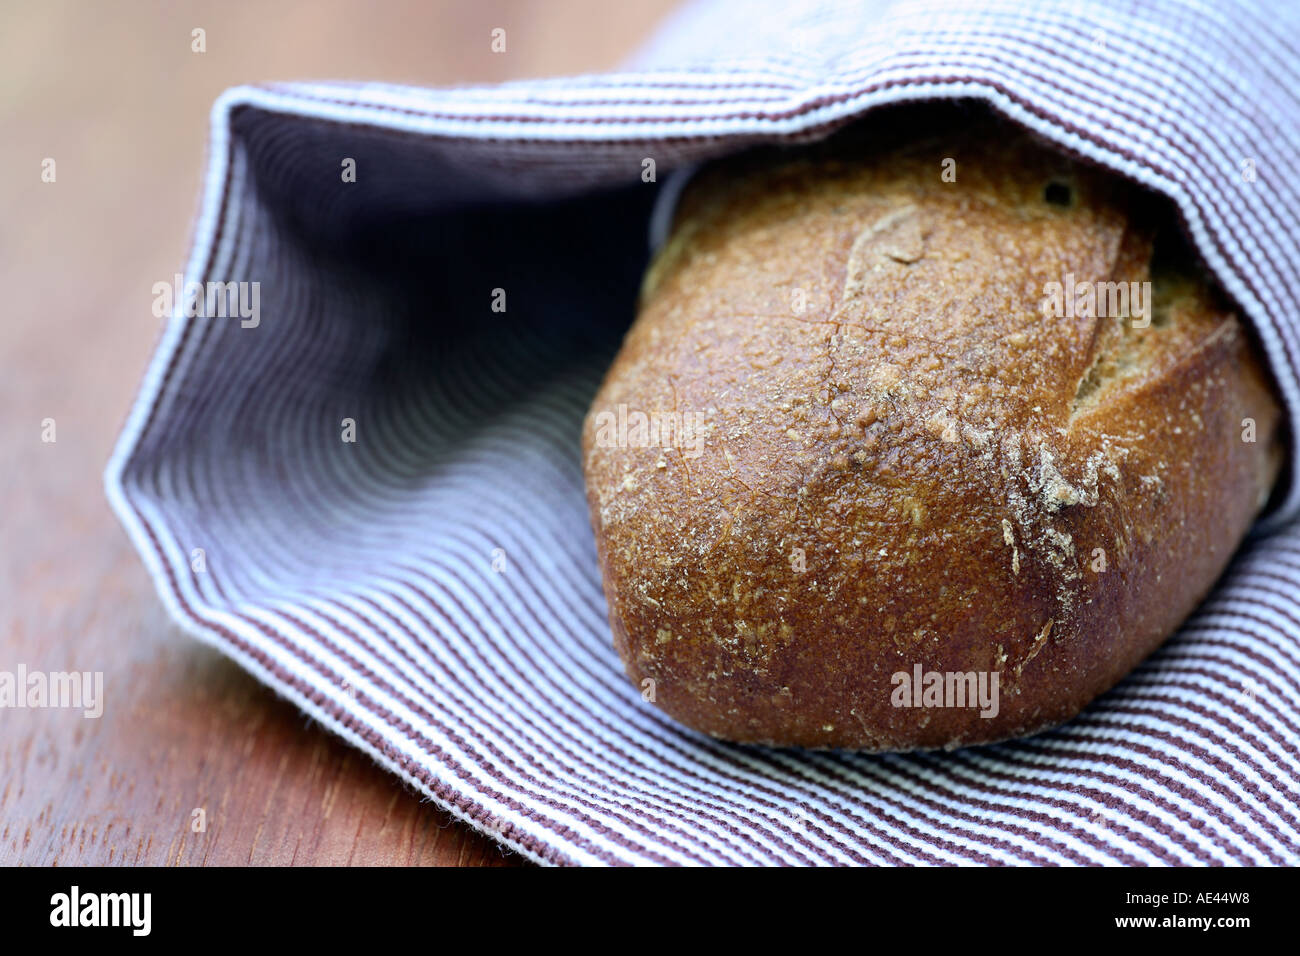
917 445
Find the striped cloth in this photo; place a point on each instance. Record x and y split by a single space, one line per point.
429 589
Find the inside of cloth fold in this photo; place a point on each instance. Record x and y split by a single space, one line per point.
414 385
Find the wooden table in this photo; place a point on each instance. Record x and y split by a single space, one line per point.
115 95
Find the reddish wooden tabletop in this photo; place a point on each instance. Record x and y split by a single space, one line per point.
114 94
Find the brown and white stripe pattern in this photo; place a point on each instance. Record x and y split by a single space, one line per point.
357 579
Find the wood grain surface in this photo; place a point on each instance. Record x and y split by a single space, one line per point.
115 96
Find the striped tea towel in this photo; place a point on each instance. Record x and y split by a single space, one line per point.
363 482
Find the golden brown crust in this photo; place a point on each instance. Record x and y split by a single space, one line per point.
973 485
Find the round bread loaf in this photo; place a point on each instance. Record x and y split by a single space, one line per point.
873 471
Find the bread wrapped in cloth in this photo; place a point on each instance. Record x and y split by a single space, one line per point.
867 424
